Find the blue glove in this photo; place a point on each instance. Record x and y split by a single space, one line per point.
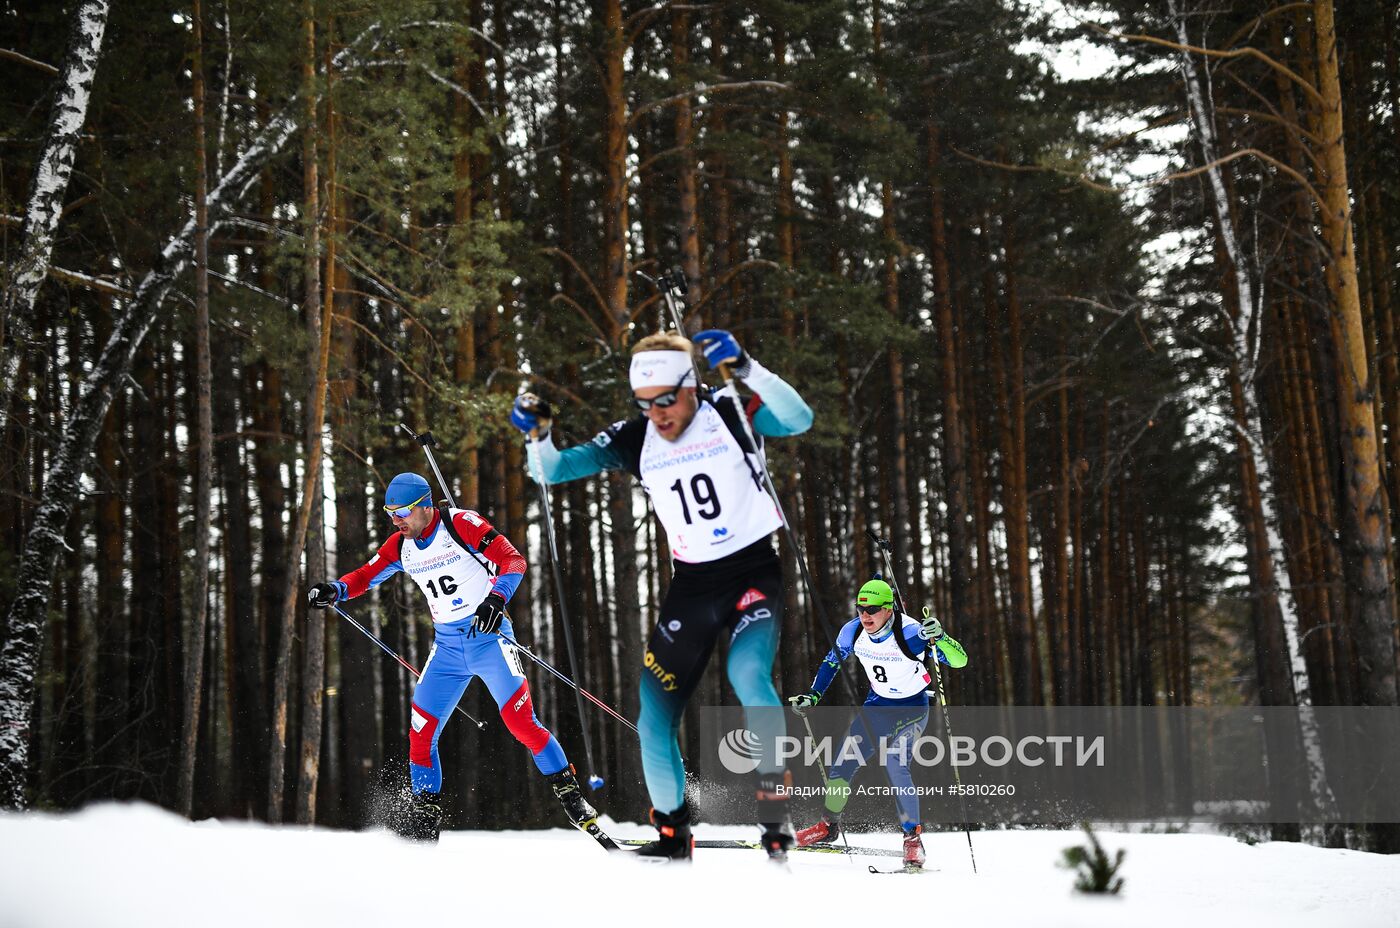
721 348
530 413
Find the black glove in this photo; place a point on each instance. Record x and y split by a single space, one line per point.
490 613
322 594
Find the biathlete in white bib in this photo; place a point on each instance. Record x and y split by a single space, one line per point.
692 456
452 564
896 709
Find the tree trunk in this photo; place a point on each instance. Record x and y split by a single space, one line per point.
1366 517
615 194
688 219
204 457
44 203
898 430
464 201
954 454
1025 667
319 332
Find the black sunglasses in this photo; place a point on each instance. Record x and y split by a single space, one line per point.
663 401
868 610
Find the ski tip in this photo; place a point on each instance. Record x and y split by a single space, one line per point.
595 782
874 869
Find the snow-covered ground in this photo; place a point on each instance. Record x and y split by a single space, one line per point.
113 866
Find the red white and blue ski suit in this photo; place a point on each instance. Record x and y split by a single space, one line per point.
455 581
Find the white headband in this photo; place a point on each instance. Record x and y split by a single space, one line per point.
661 369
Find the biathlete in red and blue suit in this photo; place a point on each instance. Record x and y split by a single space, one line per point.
468 571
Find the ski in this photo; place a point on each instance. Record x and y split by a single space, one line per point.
873 869
755 846
591 828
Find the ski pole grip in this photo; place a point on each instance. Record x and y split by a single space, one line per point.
725 372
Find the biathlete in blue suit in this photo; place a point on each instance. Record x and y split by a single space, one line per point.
452 564
692 455
895 710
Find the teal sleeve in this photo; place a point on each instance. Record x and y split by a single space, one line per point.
783 412
571 463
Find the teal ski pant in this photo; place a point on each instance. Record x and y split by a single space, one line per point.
740 596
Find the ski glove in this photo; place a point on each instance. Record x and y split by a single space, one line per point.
721 348
804 702
531 413
323 594
931 629
490 613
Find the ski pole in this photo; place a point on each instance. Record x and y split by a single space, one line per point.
547 511
957 775
884 547
826 784
428 442
395 655
580 690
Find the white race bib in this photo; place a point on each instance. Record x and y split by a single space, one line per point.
703 490
891 673
451 579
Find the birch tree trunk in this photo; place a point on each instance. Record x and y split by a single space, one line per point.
25 620
685 175
44 204
1247 324
204 455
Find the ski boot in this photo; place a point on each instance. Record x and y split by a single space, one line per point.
581 814
570 796
914 856
772 807
674 842
824 832
421 820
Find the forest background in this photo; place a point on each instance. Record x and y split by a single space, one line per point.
1108 352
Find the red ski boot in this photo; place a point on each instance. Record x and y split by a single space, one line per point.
914 856
824 832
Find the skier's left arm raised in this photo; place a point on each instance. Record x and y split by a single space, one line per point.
930 634
776 409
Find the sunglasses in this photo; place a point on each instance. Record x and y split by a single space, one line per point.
868 610
403 512
663 401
